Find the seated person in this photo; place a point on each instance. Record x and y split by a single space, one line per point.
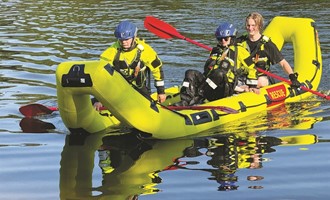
264 52
221 71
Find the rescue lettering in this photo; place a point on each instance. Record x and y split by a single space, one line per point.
277 94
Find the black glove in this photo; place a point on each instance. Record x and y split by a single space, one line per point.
294 82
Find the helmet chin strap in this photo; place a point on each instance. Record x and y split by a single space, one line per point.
133 45
223 46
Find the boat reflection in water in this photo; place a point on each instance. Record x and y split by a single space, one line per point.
131 167
293 116
122 165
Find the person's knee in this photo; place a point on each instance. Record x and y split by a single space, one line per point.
262 81
191 72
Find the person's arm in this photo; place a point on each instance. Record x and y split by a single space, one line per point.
277 57
153 62
292 76
159 82
289 71
286 67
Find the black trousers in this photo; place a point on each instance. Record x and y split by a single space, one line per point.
196 87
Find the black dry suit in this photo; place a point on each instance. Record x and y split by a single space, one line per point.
217 81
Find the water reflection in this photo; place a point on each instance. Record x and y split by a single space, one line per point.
292 116
230 153
38 35
131 166
32 125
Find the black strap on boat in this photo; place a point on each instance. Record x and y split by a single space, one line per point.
109 69
215 115
153 106
242 106
316 61
201 117
76 77
297 91
268 100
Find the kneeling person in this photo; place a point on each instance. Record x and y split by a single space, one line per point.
221 71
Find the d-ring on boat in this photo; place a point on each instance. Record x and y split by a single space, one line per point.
78 80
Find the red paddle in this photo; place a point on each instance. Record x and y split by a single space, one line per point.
166 31
289 82
36 109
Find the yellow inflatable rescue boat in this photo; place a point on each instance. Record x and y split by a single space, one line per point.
77 81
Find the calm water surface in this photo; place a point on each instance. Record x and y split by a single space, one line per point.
279 154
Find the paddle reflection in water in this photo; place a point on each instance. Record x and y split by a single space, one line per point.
33 125
132 167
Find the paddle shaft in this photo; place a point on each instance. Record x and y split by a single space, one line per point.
152 23
166 31
52 108
35 109
289 82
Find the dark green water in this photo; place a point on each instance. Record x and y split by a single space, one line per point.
35 36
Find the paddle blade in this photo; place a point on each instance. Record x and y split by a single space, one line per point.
161 28
35 109
166 31
156 31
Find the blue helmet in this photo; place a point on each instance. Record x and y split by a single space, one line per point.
225 30
125 30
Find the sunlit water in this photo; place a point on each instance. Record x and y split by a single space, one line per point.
35 36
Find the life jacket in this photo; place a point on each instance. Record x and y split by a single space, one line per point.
223 59
220 72
258 55
135 72
128 70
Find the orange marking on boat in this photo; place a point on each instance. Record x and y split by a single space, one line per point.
277 93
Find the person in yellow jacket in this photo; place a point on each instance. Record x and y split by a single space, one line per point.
225 63
135 59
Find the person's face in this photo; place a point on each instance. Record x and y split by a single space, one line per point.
126 44
251 27
225 41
